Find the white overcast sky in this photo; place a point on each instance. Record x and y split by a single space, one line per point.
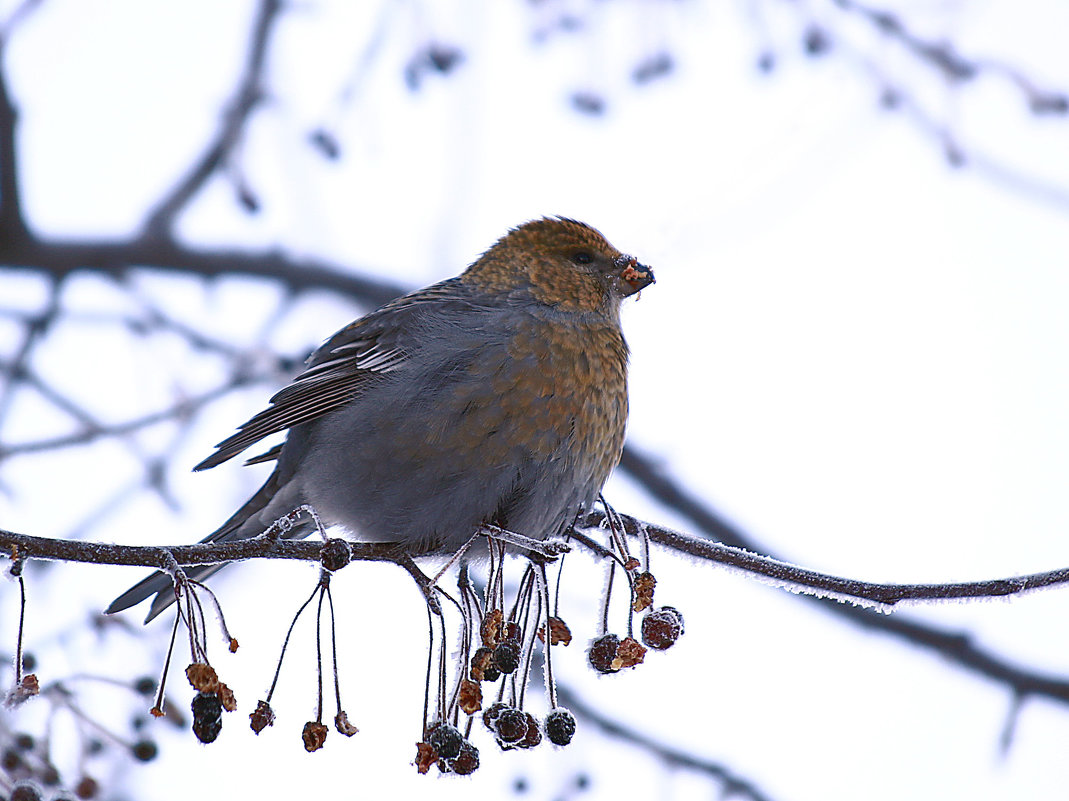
852 350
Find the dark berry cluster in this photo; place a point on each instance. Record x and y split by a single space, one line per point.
514 728
446 747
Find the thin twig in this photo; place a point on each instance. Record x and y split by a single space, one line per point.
248 94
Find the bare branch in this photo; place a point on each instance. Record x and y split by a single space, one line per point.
248 95
954 646
12 223
952 65
24 546
802 579
92 430
119 257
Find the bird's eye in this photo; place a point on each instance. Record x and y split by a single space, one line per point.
582 257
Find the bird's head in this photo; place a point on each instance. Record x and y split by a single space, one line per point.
562 263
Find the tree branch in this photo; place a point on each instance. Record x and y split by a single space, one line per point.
790 576
118 257
248 94
954 646
825 585
25 546
952 65
92 430
12 224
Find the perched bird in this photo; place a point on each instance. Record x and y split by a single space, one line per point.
498 396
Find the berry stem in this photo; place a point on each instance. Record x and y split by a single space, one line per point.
547 643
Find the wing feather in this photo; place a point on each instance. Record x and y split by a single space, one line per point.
345 365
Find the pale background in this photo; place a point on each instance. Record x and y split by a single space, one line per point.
853 350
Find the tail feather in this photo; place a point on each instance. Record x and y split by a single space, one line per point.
157 584
160 583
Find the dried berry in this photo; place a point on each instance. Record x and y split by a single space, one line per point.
26 791
202 677
261 717
511 725
643 591
24 691
207 716
816 41
10 760
560 726
342 724
491 627
226 696
490 715
425 757
507 657
559 633
588 103
534 733
335 555
468 761
470 697
314 735
144 750
446 740
481 660
602 653
87 787
662 627
511 632
629 653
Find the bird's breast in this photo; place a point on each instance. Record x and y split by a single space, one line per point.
557 397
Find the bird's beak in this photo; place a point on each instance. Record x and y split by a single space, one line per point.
633 277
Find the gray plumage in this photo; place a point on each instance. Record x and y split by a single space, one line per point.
495 397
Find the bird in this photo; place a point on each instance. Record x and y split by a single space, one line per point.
496 397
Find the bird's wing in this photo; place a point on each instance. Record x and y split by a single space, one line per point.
342 368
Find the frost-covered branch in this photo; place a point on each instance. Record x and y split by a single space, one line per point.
824 585
25 546
790 577
956 647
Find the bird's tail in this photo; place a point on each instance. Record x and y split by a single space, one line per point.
160 583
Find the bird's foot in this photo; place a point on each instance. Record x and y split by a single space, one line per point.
549 549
